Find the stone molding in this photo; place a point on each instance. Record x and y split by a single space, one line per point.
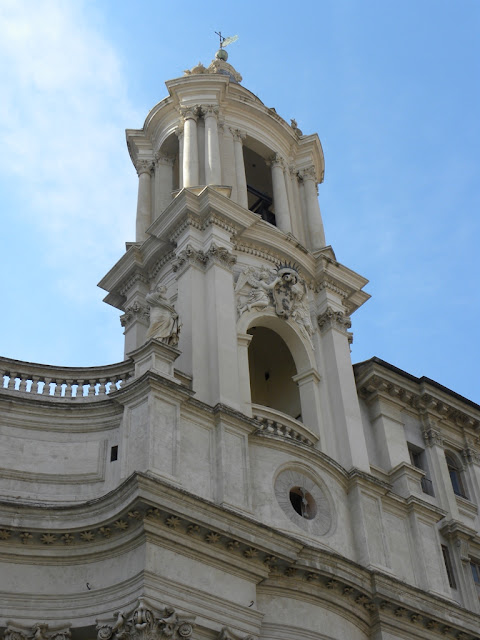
144 623
154 271
144 166
201 225
135 311
331 319
138 276
220 256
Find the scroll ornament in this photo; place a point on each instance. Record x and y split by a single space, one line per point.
261 287
145 624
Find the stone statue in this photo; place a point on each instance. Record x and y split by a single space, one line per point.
164 324
258 279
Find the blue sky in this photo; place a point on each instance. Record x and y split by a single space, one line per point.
391 88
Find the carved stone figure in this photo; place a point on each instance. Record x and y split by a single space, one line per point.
164 323
258 288
258 279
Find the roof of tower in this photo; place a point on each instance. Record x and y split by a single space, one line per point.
218 65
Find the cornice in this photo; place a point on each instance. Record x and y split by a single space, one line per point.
374 380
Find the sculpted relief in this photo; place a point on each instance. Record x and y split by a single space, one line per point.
283 289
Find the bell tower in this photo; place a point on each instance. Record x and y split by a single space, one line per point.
230 287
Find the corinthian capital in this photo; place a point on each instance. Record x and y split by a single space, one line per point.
277 161
209 110
308 174
144 166
334 319
162 158
237 134
189 113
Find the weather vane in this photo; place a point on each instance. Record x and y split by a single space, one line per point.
225 41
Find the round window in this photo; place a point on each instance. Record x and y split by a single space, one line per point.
304 502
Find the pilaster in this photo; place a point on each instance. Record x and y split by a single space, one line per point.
163 182
242 196
144 200
342 392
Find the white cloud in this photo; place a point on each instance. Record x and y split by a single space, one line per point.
63 110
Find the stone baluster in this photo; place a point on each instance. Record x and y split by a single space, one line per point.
69 388
80 390
23 381
280 199
314 217
213 171
102 389
91 387
190 147
46 387
242 195
35 381
144 201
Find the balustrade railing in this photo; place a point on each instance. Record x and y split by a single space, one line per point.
279 424
62 382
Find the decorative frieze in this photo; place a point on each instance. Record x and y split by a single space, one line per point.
470 455
331 319
135 311
220 256
144 623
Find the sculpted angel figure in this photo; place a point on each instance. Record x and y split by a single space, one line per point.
300 310
164 324
258 297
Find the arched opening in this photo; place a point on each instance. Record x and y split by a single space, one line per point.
259 185
271 368
455 471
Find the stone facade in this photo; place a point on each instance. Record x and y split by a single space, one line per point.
235 477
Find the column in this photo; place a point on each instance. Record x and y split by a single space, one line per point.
179 134
242 195
228 161
314 217
163 183
213 174
280 199
190 147
144 201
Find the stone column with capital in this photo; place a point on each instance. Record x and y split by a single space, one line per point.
242 195
314 217
163 183
213 172
190 147
144 201
280 198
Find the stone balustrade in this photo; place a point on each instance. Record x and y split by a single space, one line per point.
76 383
279 424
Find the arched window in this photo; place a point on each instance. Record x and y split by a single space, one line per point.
272 367
455 472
